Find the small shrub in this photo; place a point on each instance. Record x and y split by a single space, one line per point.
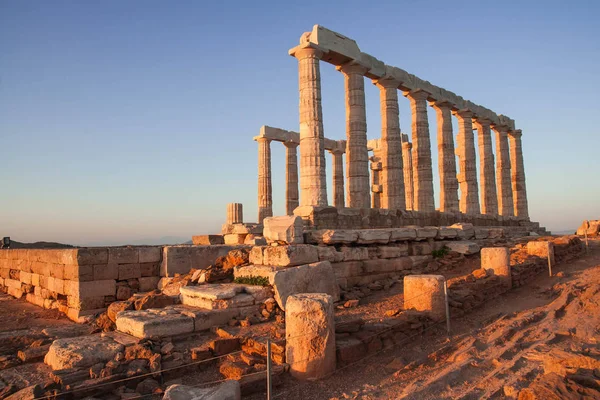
252 280
440 253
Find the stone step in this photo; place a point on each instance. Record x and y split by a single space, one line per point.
177 320
224 296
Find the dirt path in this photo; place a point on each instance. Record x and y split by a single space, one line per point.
529 338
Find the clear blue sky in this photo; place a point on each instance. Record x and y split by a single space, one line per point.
125 120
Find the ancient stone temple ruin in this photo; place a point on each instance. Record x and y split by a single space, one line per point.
399 176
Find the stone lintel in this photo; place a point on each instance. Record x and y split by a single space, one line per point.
374 144
517 133
340 50
283 136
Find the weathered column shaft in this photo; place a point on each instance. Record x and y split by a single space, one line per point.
338 178
519 189
376 179
487 175
392 176
313 182
235 213
357 156
265 190
422 170
408 172
505 195
446 158
467 177
291 178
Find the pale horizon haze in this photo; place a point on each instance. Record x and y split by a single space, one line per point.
132 122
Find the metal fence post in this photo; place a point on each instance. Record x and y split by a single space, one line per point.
447 307
269 383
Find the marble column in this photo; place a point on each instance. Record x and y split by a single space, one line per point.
357 155
467 177
376 191
392 176
503 185
518 174
265 190
446 157
487 174
338 177
313 181
421 161
291 177
408 171
235 213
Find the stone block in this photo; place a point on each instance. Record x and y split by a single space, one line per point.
181 259
264 271
105 271
425 293
90 289
75 272
255 240
290 255
497 261
149 269
541 249
427 232
310 335
401 234
463 247
56 285
25 277
447 233
235 238
148 283
57 271
374 236
89 256
378 266
81 352
420 261
419 249
329 253
256 255
334 236
129 271
123 255
464 230
312 278
154 322
247 229
287 229
205 240
82 316
347 269
354 253
149 254
228 390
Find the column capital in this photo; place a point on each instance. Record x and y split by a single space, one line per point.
441 104
517 133
336 152
464 113
407 145
386 82
261 139
352 67
416 94
499 128
307 50
291 145
482 121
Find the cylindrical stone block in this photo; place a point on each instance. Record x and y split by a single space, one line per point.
265 189
446 158
291 178
408 172
425 293
310 335
503 185
497 260
235 213
517 168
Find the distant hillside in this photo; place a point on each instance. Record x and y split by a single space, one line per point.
39 245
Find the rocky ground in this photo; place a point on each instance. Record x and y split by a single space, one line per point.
539 341
535 342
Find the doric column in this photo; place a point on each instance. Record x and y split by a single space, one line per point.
265 191
408 171
505 195
422 172
338 177
235 213
487 175
376 190
291 177
313 182
446 157
357 155
467 177
518 174
392 177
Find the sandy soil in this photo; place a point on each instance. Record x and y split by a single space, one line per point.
526 341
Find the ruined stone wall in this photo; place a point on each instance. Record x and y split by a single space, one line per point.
355 218
84 281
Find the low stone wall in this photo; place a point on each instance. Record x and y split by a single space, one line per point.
84 281
355 218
